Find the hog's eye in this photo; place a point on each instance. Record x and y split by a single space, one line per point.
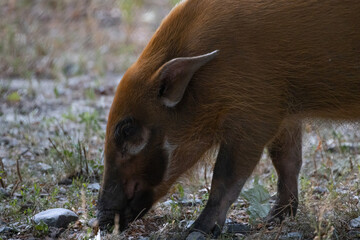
125 129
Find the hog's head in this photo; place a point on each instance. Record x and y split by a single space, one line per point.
137 154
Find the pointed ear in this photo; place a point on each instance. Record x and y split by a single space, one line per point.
176 74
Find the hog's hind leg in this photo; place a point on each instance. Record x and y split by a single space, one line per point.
286 154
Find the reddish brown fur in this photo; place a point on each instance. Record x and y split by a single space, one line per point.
279 61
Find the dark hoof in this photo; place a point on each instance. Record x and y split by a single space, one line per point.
206 229
278 214
273 219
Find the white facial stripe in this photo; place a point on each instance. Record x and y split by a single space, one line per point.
168 103
134 149
169 149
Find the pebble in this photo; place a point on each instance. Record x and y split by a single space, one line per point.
56 217
354 234
292 236
355 223
62 190
320 190
108 18
3 193
8 141
6 229
144 238
238 228
18 195
8 162
95 187
195 236
228 221
44 167
190 203
187 223
185 203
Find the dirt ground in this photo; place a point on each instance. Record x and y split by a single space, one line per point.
60 62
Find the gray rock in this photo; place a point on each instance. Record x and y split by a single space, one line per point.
228 221
108 18
62 190
188 223
238 228
355 223
8 141
292 236
144 238
320 190
94 187
70 69
8 162
354 234
18 195
195 236
190 203
168 203
80 212
5 229
44 167
56 217
185 202
3 193
44 195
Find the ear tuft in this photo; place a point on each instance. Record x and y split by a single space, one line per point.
176 74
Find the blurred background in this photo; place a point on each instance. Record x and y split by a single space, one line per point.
59 39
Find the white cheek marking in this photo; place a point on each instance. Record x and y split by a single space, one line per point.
134 149
169 103
169 149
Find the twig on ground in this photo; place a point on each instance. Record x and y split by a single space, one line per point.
18 170
18 165
86 160
4 173
15 187
2 183
279 232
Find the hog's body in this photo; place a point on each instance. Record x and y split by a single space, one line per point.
279 61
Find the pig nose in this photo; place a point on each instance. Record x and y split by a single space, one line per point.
131 186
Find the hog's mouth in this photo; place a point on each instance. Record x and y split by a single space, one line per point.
120 217
109 218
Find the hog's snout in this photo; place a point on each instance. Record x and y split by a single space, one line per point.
108 218
116 207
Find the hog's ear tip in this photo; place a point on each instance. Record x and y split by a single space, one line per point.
211 55
214 53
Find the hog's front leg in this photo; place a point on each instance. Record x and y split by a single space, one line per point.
234 164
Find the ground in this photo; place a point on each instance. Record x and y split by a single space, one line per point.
60 63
